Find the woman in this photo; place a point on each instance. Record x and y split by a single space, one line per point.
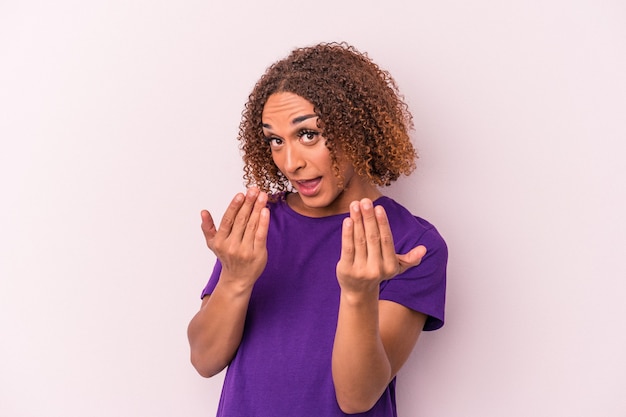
322 284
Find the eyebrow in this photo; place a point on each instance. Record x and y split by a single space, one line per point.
295 121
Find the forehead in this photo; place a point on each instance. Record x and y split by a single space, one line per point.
281 107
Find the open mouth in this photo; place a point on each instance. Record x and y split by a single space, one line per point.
308 187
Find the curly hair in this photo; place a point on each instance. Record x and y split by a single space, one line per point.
358 105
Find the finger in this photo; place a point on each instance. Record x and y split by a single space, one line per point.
207 226
347 242
253 221
243 215
412 258
260 235
372 232
228 219
358 233
387 247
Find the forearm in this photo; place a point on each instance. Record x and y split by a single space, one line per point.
361 368
215 331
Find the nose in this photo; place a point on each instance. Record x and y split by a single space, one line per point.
293 158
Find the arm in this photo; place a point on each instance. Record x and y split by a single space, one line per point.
373 338
240 244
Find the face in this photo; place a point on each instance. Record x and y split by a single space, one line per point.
300 153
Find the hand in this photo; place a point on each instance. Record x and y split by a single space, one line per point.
368 255
240 241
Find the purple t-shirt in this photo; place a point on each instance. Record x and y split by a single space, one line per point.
283 364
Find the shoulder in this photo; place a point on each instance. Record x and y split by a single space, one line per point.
421 288
409 228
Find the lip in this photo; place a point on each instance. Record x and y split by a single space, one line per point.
308 188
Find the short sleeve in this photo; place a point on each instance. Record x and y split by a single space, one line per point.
215 276
422 288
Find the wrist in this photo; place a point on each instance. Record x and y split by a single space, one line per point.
360 297
235 286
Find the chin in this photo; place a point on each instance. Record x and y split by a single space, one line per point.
324 201
314 202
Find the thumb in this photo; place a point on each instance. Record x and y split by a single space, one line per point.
412 258
207 226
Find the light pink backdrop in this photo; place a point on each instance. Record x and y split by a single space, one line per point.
117 125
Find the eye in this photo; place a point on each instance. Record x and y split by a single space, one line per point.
274 142
308 136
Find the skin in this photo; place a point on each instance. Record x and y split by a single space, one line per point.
300 153
373 337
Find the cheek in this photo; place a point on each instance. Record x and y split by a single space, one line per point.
346 171
276 160
323 158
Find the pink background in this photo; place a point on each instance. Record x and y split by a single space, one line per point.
117 126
